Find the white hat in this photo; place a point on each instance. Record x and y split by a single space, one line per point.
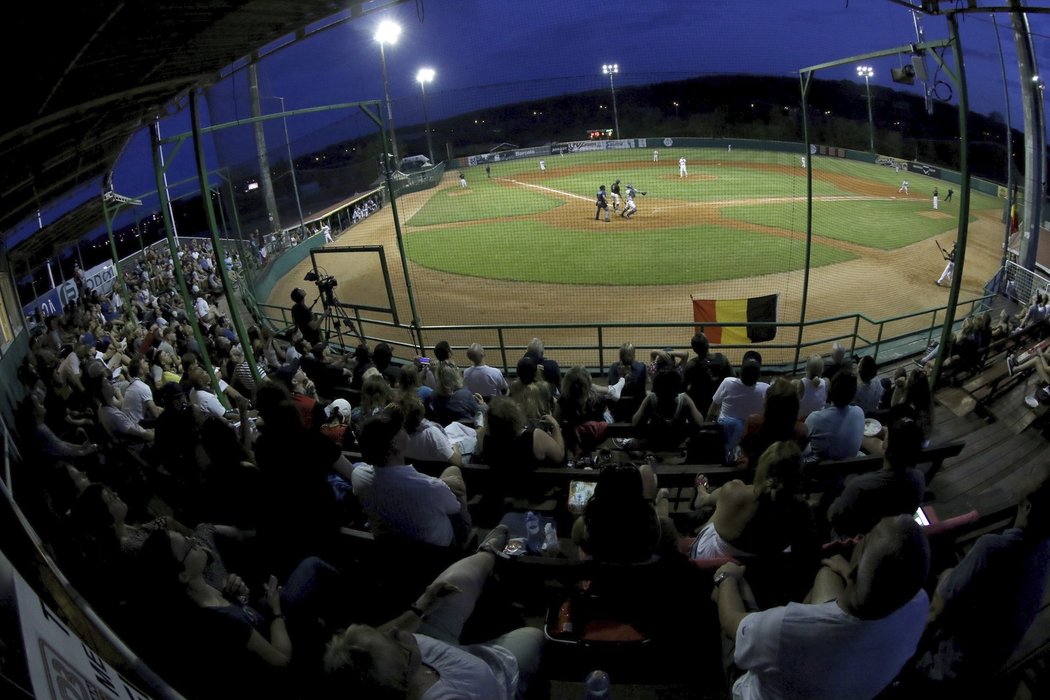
340 405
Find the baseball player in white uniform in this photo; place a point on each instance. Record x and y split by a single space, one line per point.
682 172
629 207
904 187
656 156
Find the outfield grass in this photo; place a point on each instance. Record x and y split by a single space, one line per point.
878 224
535 252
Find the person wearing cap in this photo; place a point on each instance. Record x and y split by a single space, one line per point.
737 398
338 421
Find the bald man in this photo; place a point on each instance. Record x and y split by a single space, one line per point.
857 628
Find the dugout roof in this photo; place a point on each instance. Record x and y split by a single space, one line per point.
82 78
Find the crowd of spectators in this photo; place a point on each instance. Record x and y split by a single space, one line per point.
227 497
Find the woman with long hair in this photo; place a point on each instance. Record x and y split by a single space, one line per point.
667 416
778 421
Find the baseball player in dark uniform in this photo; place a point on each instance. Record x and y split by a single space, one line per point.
601 203
615 190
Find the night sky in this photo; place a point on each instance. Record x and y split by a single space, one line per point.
547 45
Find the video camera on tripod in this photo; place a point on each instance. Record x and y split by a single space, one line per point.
326 285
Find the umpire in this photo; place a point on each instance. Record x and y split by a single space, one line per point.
601 203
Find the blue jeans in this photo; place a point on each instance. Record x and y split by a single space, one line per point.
734 428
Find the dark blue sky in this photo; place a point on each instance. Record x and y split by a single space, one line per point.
552 46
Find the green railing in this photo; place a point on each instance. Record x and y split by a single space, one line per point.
595 345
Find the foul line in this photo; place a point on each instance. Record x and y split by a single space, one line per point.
548 189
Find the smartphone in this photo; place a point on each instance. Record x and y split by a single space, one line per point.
579 493
920 517
424 360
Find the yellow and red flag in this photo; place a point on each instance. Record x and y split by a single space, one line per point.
747 312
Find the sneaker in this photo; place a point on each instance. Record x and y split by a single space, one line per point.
1031 401
616 389
624 443
1011 364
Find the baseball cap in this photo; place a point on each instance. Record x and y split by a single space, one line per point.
340 405
752 357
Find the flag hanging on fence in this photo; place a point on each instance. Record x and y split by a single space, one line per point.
746 311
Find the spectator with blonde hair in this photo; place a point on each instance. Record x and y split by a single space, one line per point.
482 379
451 401
813 389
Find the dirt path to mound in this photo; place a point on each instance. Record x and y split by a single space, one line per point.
873 284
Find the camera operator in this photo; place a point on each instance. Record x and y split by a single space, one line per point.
303 318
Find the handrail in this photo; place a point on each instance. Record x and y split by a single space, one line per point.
857 337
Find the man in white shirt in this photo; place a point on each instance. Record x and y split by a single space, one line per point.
200 304
200 396
858 626
138 397
398 499
737 398
481 378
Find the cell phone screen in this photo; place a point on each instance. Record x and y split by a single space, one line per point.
579 493
424 360
920 517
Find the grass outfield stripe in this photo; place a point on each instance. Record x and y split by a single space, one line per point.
534 252
878 224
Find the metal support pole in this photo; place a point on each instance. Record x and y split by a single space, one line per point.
871 117
805 78
129 310
426 119
1009 153
291 166
209 210
964 196
616 114
180 278
1034 137
389 109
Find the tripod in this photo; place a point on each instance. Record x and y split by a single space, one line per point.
335 317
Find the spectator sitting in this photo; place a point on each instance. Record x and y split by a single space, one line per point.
667 417
736 399
376 395
398 499
837 361
362 363
337 426
451 401
836 432
581 411
382 357
759 519
531 392
635 376
896 488
327 375
982 608
138 397
427 441
442 356
869 388
620 524
513 448
548 368
778 422
700 385
813 390
419 653
409 382
857 628
913 390
482 379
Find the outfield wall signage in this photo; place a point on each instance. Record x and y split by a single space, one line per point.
482 158
99 278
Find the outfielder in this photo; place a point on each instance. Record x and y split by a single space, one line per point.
543 166
601 203
656 156
936 198
682 172
615 191
629 207
904 187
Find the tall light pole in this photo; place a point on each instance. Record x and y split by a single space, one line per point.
675 109
291 165
387 33
611 69
867 72
424 76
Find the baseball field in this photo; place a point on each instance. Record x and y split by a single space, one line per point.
520 245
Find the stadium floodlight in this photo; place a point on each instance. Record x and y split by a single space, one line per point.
611 69
387 33
424 76
867 72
